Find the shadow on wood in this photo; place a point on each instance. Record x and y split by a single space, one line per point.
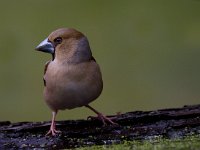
138 125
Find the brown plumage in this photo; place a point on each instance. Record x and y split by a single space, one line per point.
72 78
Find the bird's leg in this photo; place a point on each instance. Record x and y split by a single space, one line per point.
100 116
53 130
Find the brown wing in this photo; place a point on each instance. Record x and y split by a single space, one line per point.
92 58
45 69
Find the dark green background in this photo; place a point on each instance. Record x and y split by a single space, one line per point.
148 50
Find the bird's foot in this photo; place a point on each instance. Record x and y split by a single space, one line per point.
53 132
103 118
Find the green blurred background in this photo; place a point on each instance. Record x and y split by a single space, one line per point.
148 52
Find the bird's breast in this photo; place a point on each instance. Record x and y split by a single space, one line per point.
72 85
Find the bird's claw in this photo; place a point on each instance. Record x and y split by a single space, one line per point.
103 118
53 132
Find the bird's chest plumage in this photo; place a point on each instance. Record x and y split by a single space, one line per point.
69 86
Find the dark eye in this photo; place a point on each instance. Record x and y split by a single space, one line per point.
57 40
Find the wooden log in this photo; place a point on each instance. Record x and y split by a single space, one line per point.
137 125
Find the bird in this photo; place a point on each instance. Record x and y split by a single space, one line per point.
72 78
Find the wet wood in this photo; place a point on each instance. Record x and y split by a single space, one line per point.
136 125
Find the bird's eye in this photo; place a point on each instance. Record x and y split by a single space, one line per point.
57 40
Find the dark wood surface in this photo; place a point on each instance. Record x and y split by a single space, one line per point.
136 125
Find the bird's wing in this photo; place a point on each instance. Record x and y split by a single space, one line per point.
92 58
45 69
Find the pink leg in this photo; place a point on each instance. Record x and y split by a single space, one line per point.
101 116
53 130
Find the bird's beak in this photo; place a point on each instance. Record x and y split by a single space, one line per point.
45 46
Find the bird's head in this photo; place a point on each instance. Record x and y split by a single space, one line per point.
66 44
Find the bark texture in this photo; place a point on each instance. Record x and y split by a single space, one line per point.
136 125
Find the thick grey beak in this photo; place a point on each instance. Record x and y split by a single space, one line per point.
45 46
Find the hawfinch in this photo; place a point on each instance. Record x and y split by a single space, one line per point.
72 78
